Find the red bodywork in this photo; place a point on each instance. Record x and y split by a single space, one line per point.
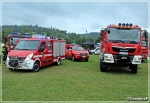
114 48
77 54
145 50
17 38
54 50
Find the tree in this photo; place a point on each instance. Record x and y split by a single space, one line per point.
26 30
39 30
97 40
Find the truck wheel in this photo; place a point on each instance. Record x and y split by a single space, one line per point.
142 60
73 59
103 67
86 60
11 69
36 67
59 62
93 53
133 68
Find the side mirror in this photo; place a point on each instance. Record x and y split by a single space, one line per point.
41 49
11 38
108 31
101 32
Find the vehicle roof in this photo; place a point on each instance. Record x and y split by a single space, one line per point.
39 39
21 36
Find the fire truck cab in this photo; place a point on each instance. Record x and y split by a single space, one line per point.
36 52
120 46
13 38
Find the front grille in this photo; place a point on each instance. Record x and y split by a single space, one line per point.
15 61
129 50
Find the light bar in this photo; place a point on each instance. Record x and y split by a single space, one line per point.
39 36
123 24
15 33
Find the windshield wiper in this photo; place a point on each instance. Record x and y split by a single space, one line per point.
131 41
117 41
134 42
16 49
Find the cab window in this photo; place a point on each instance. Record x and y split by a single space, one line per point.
49 46
43 46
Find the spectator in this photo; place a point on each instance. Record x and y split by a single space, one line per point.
5 52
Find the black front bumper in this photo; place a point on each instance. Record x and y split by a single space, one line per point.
122 60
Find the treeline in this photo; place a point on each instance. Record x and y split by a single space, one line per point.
55 32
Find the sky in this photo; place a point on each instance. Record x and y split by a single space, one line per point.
76 17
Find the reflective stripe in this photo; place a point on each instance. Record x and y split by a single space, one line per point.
63 58
37 56
46 55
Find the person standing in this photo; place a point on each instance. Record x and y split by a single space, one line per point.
5 53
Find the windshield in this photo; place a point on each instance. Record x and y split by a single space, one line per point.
144 44
131 36
27 45
13 40
78 48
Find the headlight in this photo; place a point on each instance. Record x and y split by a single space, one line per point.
29 57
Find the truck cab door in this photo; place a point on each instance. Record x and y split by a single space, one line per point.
42 52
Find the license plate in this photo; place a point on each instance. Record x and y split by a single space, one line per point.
124 57
125 53
83 56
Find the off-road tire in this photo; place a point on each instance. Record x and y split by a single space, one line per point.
10 69
134 68
86 60
36 67
103 67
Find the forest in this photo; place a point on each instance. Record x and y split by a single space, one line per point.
55 32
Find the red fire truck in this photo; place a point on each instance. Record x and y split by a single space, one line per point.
121 46
36 52
76 52
13 38
145 49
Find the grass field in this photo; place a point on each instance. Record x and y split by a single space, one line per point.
75 81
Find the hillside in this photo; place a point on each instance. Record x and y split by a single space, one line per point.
92 34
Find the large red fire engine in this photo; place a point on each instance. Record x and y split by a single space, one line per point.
121 45
145 49
13 38
38 51
76 52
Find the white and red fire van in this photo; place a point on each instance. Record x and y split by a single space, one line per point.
36 52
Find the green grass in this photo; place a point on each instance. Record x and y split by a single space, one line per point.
74 81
